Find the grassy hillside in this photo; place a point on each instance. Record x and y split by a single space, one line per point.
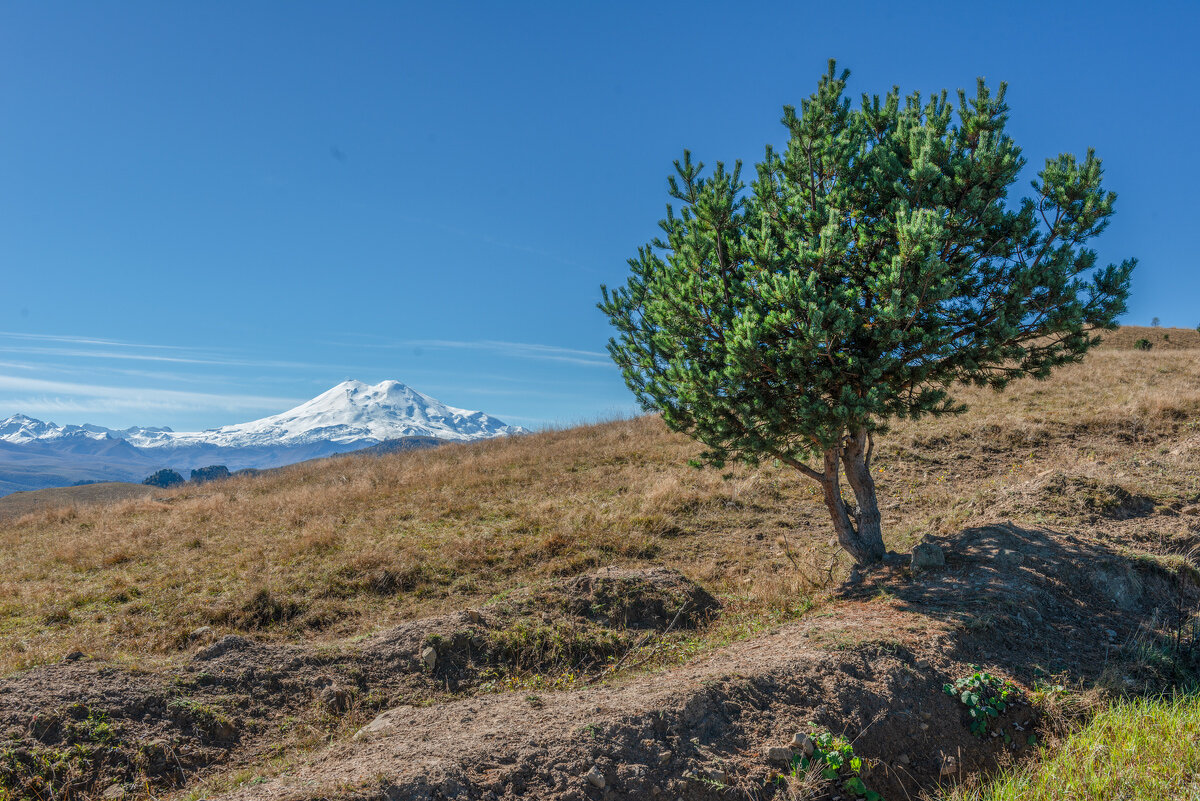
350 545
1070 510
1159 338
57 499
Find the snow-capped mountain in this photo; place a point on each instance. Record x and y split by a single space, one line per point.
20 429
350 416
352 413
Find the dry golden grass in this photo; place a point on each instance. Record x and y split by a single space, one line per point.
20 504
345 546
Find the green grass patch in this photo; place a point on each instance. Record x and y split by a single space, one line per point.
1135 750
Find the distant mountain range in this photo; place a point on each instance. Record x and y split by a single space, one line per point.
351 416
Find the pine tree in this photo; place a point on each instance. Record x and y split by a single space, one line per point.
874 264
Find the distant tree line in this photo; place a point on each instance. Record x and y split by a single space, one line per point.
170 478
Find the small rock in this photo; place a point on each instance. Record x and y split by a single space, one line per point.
803 742
595 777
335 699
474 616
927 556
114 791
1009 560
778 753
924 727
383 725
429 657
717 775
202 634
230 642
74 656
903 759
949 765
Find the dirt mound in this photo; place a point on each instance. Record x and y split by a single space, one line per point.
652 598
1025 604
1095 499
80 727
697 733
74 729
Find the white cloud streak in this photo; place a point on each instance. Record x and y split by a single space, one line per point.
523 350
66 395
82 340
150 357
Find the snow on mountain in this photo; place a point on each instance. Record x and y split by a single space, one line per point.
350 413
349 417
20 429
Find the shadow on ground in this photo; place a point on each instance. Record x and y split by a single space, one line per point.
1037 602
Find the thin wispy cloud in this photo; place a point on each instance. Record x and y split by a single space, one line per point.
81 377
42 393
209 361
522 350
84 340
103 354
500 392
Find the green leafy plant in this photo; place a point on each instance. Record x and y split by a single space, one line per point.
1143 344
833 759
985 696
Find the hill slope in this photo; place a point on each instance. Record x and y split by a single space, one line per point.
59 499
1064 507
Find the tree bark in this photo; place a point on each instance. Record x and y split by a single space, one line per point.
856 457
864 550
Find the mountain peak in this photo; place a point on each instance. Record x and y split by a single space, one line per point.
350 414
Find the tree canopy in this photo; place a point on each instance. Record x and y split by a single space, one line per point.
872 265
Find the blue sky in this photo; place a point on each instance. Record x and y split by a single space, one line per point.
212 211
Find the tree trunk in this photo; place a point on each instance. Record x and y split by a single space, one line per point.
856 456
865 550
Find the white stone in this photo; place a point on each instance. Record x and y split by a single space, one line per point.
429 657
385 725
778 753
927 555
